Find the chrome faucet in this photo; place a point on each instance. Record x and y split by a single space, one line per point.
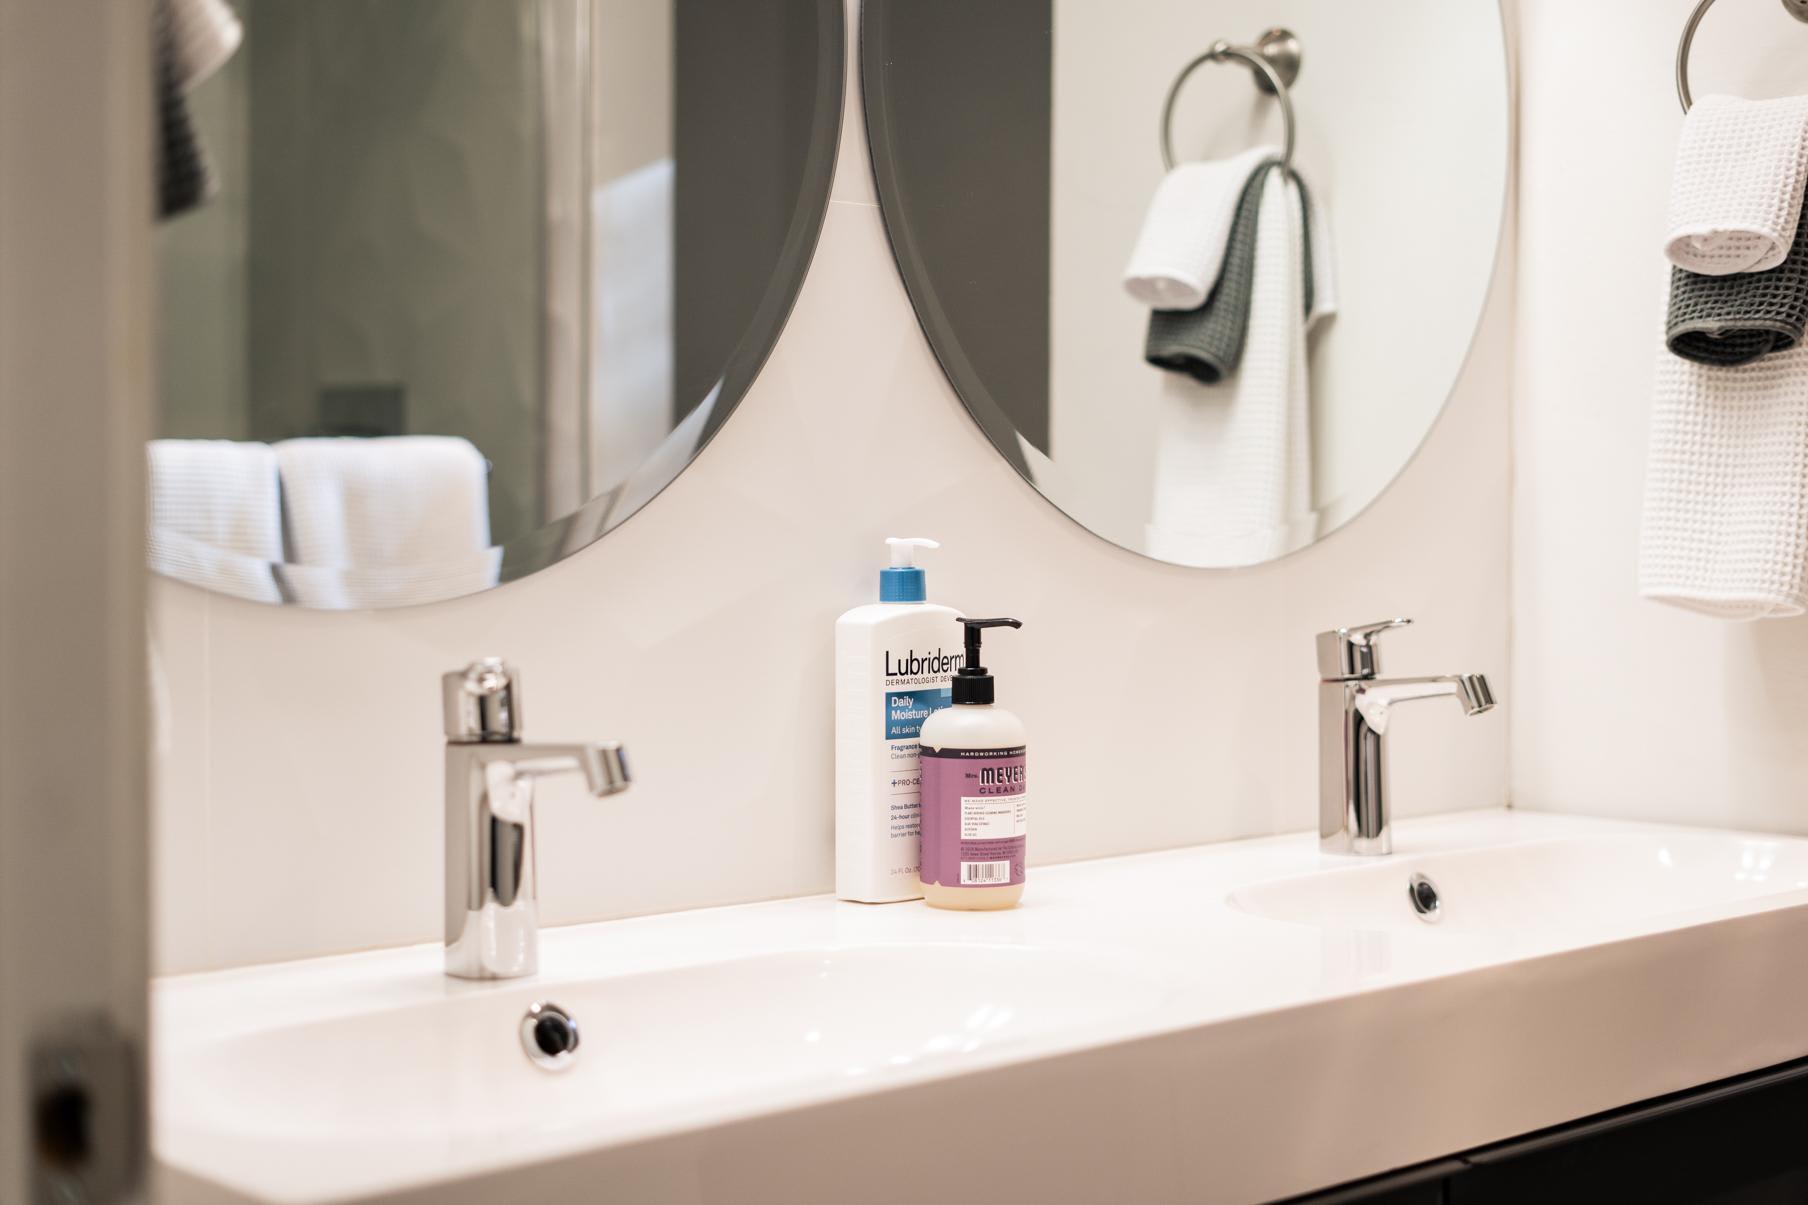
1353 712
492 916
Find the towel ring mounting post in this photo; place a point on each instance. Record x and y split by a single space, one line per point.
1795 8
1274 60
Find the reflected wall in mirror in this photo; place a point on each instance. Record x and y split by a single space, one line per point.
470 281
1217 365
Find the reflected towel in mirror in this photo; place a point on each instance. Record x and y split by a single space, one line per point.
1180 249
339 588
194 38
185 177
203 34
1207 343
375 503
201 564
397 516
218 491
214 516
1233 479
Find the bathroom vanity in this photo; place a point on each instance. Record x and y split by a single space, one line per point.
1737 1140
1236 1022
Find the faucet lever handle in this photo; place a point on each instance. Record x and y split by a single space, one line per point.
1346 654
482 702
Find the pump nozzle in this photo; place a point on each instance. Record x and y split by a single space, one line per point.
903 551
904 582
972 684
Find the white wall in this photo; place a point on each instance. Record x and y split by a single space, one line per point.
300 765
1625 707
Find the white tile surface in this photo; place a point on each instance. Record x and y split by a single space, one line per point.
181 867
1626 707
1166 706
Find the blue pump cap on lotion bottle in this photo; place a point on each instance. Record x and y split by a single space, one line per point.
903 582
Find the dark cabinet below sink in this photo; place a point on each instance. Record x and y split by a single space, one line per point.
1741 1141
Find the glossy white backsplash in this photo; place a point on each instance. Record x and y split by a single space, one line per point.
1626 707
299 809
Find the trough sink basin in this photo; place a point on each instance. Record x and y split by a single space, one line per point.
1623 881
1160 1028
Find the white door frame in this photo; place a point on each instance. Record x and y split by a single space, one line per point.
75 406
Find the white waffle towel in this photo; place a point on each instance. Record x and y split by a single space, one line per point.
1324 261
379 503
385 522
217 491
1233 474
202 564
1726 488
1180 249
214 518
203 35
1736 191
337 588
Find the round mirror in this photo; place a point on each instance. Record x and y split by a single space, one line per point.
450 288
1218 363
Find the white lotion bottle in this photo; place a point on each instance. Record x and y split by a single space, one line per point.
893 664
975 792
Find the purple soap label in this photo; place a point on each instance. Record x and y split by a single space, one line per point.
975 804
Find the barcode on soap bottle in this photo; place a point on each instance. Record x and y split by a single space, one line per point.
985 872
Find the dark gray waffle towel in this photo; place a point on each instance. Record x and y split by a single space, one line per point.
1207 343
1727 320
184 178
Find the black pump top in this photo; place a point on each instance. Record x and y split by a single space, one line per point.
972 684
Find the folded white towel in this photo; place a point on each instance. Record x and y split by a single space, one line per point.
386 522
199 563
1233 474
203 35
380 503
218 492
1324 262
1726 490
214 516
338 588
1180 248
1736 191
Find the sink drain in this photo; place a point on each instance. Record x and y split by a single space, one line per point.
550 1036
1424 896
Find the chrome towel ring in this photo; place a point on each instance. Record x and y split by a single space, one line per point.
1795 8
1275 60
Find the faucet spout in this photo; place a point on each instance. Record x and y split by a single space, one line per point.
1375 699
602 763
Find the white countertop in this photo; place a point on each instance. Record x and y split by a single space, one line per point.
1150 1040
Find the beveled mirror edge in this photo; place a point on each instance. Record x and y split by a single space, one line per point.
998 429
552 542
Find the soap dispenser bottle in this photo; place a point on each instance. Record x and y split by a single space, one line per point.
891 673
974 791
